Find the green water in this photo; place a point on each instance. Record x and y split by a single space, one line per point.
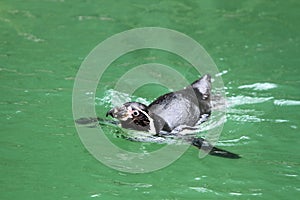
42 44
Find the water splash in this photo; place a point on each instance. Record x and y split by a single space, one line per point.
114 98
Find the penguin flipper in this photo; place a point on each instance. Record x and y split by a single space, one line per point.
214 151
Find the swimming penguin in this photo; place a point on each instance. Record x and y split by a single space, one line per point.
171 113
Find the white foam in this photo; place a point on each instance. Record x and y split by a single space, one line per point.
281 120
201 189
237 140
291 175
284 102
245 118
233 142
256 194
259 86
221 73
236 193
95 195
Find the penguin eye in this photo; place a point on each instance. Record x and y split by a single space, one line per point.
135 113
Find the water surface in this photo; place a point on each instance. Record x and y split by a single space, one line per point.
255 45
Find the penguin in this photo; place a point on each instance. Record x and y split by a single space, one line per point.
172 113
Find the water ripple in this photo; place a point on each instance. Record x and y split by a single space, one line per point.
233 142
242 100
201 189
284 102
259 86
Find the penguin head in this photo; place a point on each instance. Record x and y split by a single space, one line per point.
131 114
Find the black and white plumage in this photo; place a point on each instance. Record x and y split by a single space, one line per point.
183 108
172 113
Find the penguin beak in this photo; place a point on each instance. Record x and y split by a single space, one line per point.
110 112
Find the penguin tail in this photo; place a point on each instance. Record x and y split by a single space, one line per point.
214 151
203 85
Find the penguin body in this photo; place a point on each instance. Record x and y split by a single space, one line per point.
171 112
